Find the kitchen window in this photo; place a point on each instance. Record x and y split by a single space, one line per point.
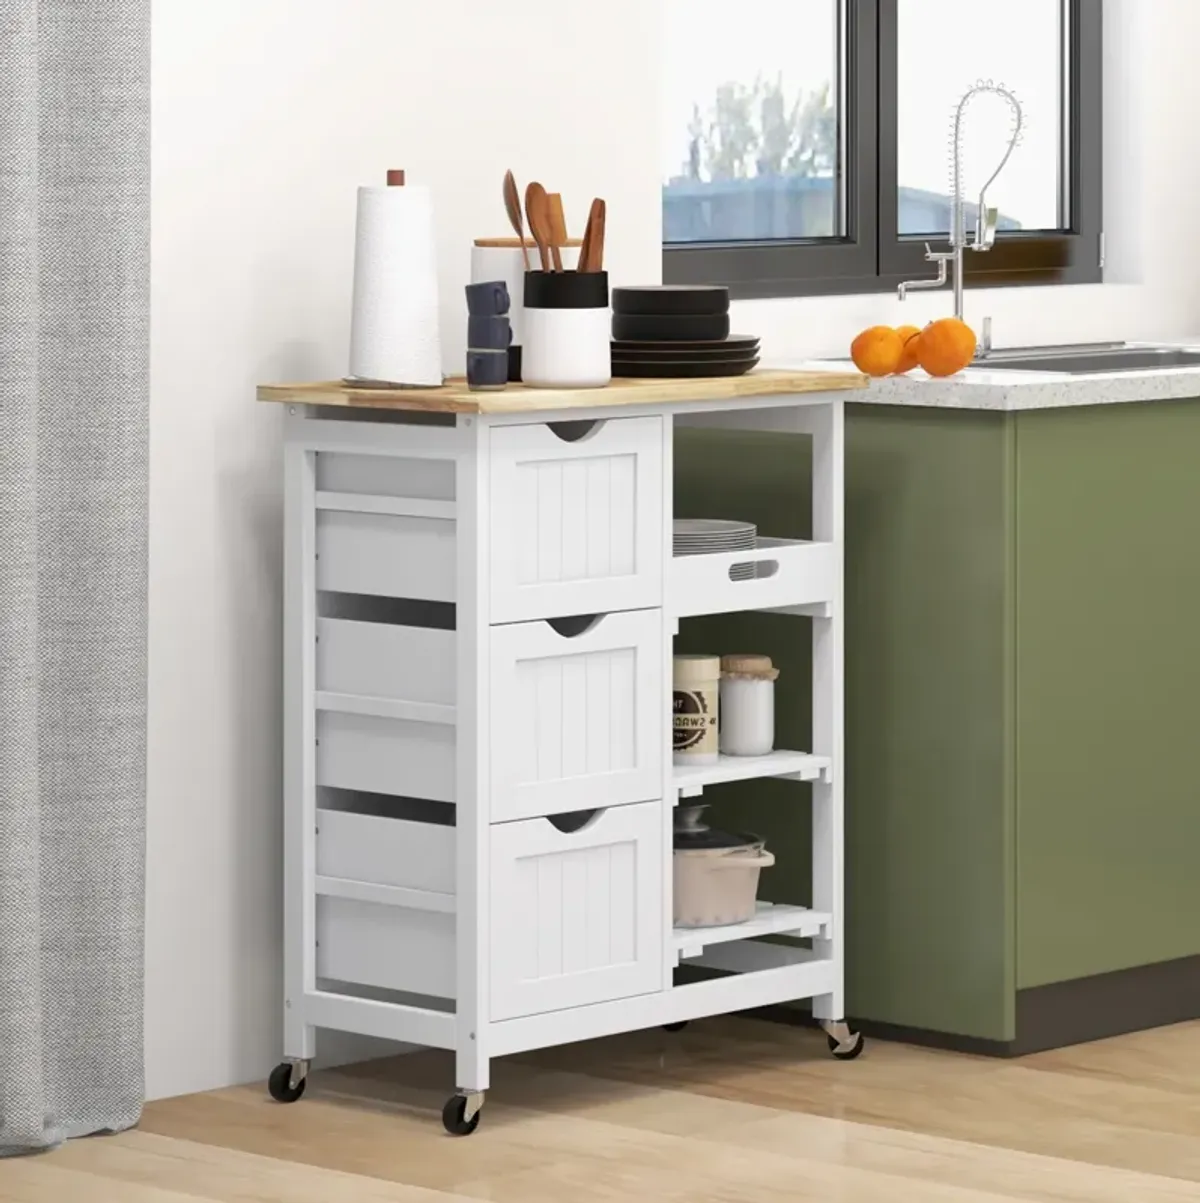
807 143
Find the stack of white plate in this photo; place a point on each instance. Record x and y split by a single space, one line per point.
713 536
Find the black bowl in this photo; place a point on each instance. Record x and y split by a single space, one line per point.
662 299
670 327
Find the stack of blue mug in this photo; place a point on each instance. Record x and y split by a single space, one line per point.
489 333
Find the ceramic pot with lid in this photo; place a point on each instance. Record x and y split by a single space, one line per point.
715 873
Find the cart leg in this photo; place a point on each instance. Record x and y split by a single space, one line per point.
290 1076
828 831
299 1039
464 1108
299 760
472 1072
462 1112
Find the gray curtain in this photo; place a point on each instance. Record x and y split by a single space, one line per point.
74 285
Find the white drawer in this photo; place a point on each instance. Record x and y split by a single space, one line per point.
385 555
385 756
576 526
576 722
391 948
576 917
413 665
386 852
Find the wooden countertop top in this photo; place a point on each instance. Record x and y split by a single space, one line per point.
454 396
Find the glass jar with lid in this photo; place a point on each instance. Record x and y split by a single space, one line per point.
747 705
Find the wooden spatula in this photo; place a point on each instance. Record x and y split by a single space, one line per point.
558 228
537 210
598 236
591 253
585 247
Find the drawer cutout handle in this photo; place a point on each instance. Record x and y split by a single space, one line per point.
577 431
763 569
575 625
573 821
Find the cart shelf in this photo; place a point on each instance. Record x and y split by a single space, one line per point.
771 919
793 766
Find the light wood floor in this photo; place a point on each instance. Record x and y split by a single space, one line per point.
733 1110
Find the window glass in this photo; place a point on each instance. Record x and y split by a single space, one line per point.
946 46
752 142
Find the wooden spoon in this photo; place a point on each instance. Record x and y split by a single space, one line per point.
512 204
537 210
558 228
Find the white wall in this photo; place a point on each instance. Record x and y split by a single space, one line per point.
266 117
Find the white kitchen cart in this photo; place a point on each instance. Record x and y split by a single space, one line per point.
480 606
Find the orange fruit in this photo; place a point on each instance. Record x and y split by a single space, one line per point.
946 347
877 351
908 357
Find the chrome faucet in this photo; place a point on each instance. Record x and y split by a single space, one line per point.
987 218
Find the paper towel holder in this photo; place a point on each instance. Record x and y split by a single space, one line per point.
395 177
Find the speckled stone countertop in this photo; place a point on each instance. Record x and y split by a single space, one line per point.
1010 391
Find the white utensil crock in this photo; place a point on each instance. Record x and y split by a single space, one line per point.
568 330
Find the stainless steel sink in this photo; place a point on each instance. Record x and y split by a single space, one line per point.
1084 360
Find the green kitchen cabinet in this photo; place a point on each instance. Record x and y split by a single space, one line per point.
1022 696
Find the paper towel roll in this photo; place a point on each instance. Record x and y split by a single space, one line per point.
394 325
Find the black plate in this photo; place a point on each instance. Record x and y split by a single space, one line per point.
635 371
691 352
659 299
683 357
735 342
680 327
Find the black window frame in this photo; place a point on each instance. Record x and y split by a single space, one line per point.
871 256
